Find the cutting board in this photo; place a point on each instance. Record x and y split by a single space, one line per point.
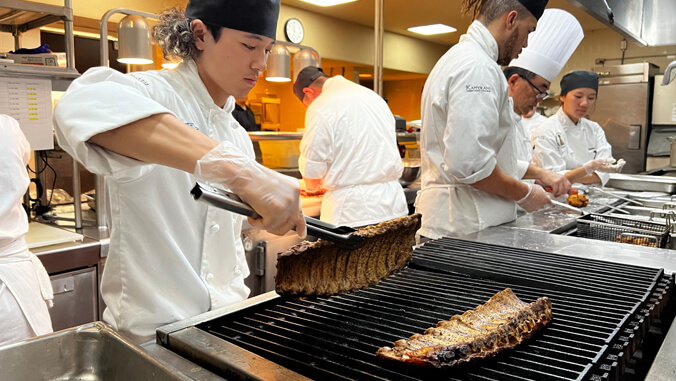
40 235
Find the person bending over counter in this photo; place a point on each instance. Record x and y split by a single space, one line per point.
568 141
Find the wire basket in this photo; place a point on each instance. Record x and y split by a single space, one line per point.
624 230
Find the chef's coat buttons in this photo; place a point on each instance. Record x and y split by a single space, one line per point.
210 277
237 270
215 228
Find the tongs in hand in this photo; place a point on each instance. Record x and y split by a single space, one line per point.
339 235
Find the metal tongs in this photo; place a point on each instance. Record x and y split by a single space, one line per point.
340 235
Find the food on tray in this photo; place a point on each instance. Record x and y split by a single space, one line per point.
317 192
322 268
578 200
503 322
641 241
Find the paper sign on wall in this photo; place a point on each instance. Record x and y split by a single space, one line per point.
29 101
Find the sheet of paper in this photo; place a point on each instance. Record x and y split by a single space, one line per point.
29 101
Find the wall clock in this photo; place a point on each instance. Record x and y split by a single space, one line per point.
293 29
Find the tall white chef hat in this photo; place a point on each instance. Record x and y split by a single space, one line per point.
557 36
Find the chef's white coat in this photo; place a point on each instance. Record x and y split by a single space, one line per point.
560 145
351 144
24 284
467 130
170 257
530 124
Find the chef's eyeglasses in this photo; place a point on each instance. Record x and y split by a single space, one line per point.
542 95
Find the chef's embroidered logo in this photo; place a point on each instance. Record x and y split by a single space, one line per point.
477 89
192 125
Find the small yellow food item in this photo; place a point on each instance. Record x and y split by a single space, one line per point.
578 200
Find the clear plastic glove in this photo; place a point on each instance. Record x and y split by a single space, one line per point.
536 199
607 165
559 184
275 197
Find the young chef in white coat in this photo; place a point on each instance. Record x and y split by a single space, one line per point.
153 134
569 142
469 163
350 148
25 290
557 36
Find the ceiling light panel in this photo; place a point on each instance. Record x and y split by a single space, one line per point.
327 3
432 29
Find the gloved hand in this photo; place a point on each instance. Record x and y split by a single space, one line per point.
607 165
559 184
535 199
275 197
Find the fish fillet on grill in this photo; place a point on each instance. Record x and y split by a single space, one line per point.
503 322
322 268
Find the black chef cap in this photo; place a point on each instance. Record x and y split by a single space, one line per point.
535 7
252 16
305 78
579 79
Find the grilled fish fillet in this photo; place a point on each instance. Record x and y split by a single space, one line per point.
321 268
503 322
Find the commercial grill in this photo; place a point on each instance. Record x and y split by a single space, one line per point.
602 312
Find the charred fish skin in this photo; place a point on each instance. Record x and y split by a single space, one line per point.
305 268
475 334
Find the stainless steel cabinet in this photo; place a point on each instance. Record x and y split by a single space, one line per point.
75 298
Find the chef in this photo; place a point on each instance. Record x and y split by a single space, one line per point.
571 143
153 134
469 163
349 148
529 76
25 290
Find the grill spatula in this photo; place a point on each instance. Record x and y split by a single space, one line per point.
339 235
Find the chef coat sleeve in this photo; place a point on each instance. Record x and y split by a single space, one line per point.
547 150
521 168
603 149
316 147
101 100
472 122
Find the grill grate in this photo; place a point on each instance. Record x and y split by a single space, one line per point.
600 312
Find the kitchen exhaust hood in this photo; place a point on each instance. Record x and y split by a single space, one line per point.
646 22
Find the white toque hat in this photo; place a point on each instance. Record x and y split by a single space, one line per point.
556 37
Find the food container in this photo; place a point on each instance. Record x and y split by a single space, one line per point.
411 172
624 230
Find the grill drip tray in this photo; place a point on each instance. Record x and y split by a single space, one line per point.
601 312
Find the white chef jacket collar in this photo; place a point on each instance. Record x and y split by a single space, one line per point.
565 120
483 37
188 70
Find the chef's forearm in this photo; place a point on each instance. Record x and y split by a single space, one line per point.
501 184
579 175
159 139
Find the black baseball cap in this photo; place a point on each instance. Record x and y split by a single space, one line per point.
251 16
305 78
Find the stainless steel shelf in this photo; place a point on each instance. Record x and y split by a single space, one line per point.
19 15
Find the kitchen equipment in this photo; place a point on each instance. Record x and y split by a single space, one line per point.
614 228
672 151
666 184
602 312
339 235
623 110
569 207
411 172
89 352
596 189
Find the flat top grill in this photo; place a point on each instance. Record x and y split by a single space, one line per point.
595 308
